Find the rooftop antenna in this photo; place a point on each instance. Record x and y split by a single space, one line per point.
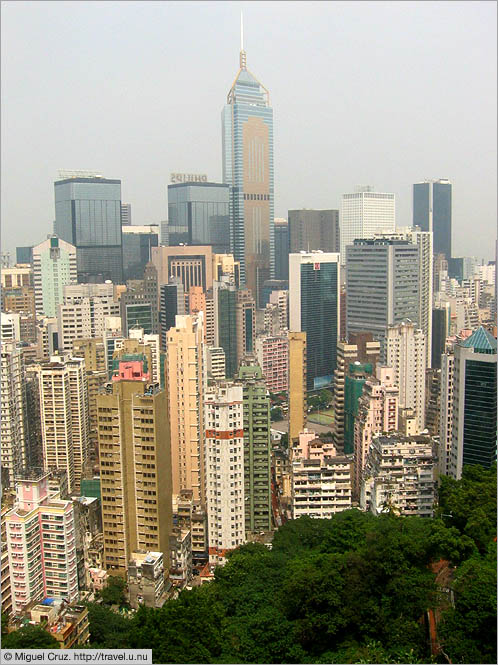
243 62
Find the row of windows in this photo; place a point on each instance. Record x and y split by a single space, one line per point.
256 197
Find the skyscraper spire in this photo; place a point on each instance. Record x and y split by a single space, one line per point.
243 63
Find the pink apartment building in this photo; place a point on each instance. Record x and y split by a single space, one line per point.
377 413
41 544
273 358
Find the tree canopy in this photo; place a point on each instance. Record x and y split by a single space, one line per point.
30 637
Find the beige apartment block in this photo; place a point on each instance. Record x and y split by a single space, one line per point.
93 352
64 412
297 384
135 461
186 377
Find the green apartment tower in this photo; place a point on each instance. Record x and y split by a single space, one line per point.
257 449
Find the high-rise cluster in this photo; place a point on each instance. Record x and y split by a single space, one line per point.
173 390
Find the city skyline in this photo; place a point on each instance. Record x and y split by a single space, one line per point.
376 108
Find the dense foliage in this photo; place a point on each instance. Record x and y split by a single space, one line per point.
353 589
29 637
114 591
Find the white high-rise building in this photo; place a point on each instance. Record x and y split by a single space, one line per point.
11 327
321 479
224 468
281 299
64 416
54 265
405 351
399 475
13 422
113 338
154 342
424 241
365 213
84 311
215 357
446 412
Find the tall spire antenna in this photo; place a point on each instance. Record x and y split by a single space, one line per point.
243 63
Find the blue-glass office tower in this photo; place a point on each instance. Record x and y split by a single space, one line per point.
88 215
198 214
432 212
247 135
474 433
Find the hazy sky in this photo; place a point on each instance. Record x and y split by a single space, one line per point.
381 93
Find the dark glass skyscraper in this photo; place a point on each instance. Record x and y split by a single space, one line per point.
172 303
88 215
440 328
281 249
247 133
199 214
314 309
432 212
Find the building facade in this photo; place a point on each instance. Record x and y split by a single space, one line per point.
257 448
365 213
377 413
314 280
297 384
186 380
321 481
406 354
198 214
281 228
138 242
88 215
83 312
399 475
245 317
41 543
382 284
64 413
474 431
54 265
432 212
14 420
273 358
314 229
446 413
135 467
224 468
